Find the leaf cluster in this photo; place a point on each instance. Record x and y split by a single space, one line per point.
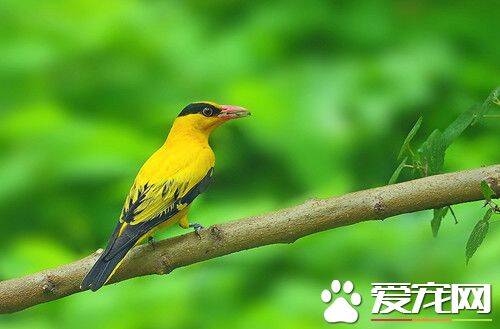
428 159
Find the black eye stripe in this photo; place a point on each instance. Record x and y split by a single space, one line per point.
194 108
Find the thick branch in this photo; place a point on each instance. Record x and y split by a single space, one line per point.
284 226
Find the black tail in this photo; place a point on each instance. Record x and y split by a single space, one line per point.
101 271
110 259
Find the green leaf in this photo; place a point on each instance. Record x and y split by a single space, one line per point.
476 238
409 138
488 192
490 102
487 215
439 214
470 117
457 127
432 152
397 172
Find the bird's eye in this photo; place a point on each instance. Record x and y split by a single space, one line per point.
208 112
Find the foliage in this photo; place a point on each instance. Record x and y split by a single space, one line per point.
481 229
439 214
488 192
477 235
406 144
398 170
429 160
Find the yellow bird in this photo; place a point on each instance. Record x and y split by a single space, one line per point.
166 185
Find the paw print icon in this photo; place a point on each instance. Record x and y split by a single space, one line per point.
341 310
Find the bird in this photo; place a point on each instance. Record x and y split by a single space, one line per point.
166 185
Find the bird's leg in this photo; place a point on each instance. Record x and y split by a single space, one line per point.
152 241
184 223
197 228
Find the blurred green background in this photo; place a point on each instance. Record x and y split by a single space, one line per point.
88 90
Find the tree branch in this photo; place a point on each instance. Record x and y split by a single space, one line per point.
284 226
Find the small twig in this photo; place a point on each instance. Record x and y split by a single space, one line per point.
494 207
453 214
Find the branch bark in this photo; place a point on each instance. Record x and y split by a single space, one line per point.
283 226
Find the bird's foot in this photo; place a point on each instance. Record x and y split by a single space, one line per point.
197 228
152 242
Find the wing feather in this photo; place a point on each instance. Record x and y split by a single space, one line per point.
128 233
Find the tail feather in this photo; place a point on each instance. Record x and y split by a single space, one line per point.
104 268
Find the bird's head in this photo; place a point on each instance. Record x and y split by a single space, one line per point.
205 116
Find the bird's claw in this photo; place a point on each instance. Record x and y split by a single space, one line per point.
197 228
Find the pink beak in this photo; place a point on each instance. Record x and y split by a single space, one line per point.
229 112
